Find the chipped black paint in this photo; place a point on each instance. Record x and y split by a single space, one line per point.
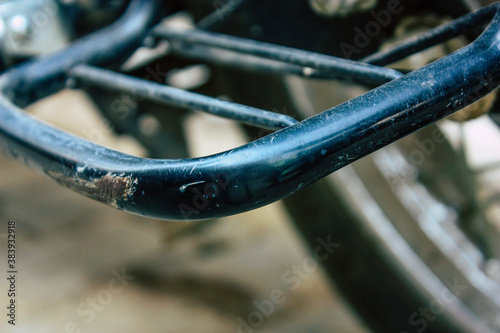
110 189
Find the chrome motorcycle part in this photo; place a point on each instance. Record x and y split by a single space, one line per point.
31 28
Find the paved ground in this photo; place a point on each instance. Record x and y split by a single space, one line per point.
85 267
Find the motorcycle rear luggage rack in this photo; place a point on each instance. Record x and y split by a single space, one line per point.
265 170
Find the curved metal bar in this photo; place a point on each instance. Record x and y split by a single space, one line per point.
432 37
38 78
262 171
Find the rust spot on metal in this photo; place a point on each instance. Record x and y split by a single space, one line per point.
109 188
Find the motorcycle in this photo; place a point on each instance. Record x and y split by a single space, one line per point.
385 169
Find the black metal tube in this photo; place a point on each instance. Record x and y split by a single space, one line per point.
152 91
432 37
341 68
248 62
38 78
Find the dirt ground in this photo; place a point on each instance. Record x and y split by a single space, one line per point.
86 267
